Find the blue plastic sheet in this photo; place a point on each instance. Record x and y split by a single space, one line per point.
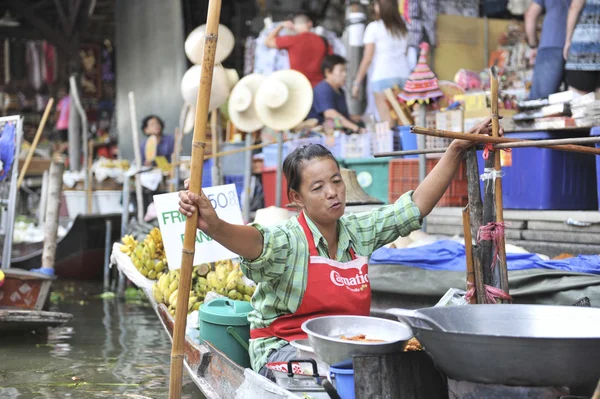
7 150
450 256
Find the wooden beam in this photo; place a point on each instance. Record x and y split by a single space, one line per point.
74 16
61 42
61 15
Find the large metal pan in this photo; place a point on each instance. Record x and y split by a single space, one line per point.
519 345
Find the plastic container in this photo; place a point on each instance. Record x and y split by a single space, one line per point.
269 181
76 203
108 201
596 132
408 140
224 323
372 175
344 381
404 176
207 173
545 179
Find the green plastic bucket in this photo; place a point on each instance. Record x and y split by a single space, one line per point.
224 323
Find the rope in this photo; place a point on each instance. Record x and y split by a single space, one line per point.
490 175
492 231
491 294
489 147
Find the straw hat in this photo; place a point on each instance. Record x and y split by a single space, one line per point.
271 216
222 82
241 103
284 99
355 195
194 44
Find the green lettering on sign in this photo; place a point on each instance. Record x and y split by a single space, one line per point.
200 237
172 217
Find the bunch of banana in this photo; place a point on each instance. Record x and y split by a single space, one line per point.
226 280
165 291
147 265
155 244
129 244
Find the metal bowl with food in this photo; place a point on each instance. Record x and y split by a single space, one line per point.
338 338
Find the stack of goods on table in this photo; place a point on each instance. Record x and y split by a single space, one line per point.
560 110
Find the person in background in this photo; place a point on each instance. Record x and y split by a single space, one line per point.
549 69
386 46
582 46
61 116
152 125
306 49
329 98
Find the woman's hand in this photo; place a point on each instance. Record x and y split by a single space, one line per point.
566 50
484 127
355 90
208 220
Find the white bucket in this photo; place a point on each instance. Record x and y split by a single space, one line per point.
76 203
109 201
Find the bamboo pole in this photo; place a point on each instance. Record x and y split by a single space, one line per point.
501 270
52 213
469 251
138 157
517 144
479 138
189 240
35 142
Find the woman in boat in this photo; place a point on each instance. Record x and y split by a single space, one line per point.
315 264
153 126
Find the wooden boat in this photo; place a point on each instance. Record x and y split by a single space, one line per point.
23 296
215 374
79 254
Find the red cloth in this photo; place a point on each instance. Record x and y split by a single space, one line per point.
332 288
306 51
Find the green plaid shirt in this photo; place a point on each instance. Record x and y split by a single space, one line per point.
281 270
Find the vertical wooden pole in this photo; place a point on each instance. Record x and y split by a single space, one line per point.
189 240
501 268
469 251
52 213
138 156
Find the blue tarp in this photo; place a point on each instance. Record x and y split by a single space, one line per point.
450 256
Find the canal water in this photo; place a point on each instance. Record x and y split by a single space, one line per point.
111 349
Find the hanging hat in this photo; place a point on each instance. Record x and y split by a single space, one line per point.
355 195
271 216
422 84
241 103
194 44
222 82
284 99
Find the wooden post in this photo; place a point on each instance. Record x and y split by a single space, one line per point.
501 271
35 142
189 240
469 251
88 189
475 218
138 157
52 212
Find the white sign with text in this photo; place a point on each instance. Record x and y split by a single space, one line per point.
172 225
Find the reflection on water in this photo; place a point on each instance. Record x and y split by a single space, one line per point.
110 349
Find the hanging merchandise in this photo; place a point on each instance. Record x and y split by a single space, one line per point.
7 149
50 63
222 82
34 66
249 50
268 60
241 103
422 84
423 19
194 44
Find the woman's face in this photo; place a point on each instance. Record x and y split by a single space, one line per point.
376 8
153 128
322 192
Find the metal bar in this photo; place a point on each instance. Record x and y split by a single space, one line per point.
278 176
107 248
43 199
12 196
84 136
479 138
124 224
247 178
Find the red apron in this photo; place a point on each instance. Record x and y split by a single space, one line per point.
332 288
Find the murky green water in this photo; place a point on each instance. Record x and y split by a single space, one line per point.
111 349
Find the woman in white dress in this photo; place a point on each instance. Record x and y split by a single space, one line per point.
386 47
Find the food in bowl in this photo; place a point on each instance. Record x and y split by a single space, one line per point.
360 338
413 344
